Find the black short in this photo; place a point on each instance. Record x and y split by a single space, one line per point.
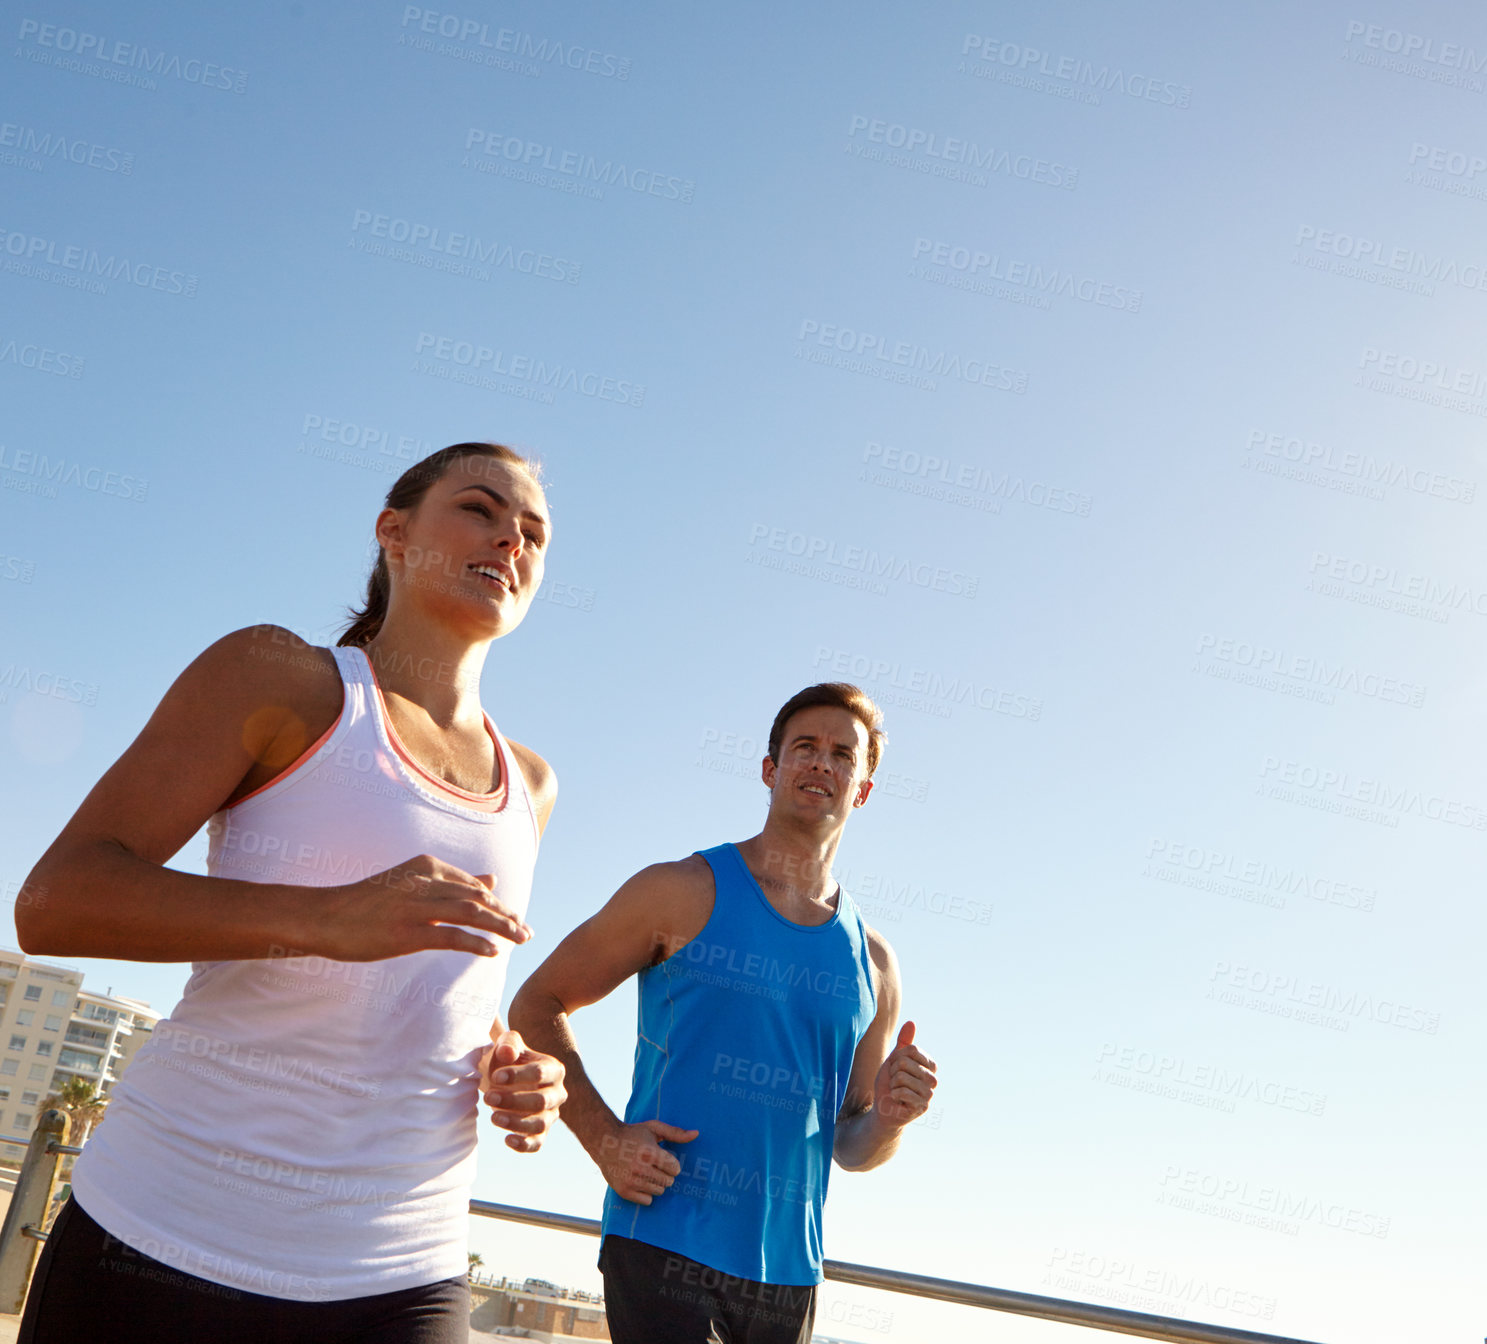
89 1286
656 1297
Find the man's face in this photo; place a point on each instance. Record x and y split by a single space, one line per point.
822 770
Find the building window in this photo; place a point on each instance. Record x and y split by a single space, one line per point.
23 1123
17 1042
60 997
25 1018
44 1047
27 1098
36 1073
54 1023
8 1068
33 993
4 1094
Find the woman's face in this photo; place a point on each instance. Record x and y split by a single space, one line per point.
474 546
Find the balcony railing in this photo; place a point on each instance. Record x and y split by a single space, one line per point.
90 1038
1060 1310
1056 1309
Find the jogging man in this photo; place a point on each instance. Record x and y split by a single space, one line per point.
766 1048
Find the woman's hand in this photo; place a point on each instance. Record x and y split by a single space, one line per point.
412 907
524 1090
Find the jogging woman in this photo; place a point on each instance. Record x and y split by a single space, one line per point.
290 1157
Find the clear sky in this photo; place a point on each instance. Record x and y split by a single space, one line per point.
1101 388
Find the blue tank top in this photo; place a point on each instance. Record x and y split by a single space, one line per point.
747 1034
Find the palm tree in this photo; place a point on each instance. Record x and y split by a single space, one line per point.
476 1260
84 1106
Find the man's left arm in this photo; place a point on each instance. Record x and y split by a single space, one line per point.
888 1089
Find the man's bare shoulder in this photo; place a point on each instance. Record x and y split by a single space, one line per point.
682 880
884 959
671 901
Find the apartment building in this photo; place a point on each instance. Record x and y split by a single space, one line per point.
53 1030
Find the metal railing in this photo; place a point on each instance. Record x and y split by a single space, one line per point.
35 1185
44 1151
1057 1309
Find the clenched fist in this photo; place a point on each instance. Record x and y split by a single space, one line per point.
524 1090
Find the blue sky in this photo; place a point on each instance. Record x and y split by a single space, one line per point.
1102 391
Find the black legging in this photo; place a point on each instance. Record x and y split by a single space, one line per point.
89 1286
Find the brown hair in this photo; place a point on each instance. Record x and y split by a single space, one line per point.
840 695
406 493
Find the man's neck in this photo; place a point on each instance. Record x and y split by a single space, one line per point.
793 868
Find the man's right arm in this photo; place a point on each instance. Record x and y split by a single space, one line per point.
658 910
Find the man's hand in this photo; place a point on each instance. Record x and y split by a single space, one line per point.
905 1082
524 1090
634 1163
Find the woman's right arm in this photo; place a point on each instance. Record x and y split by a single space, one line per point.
102 889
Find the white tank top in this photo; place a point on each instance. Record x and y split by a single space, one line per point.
305 1128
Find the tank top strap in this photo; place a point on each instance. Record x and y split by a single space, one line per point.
351 662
